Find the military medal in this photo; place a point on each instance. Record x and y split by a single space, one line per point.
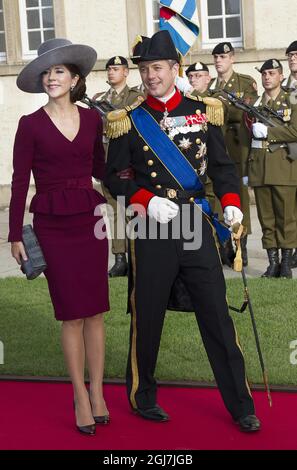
287 114
202 168
183 124
185 144
201 151
165 121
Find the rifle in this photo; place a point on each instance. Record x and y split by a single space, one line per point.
103 107
264 116
288 89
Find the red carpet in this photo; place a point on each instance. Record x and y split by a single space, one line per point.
40 416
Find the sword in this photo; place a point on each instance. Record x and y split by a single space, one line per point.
237 230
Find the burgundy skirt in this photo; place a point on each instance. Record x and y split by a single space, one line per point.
77 264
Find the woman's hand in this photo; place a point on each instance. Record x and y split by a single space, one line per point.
18 252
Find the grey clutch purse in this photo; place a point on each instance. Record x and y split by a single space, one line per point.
35 265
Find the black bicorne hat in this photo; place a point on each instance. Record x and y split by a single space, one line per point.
159 47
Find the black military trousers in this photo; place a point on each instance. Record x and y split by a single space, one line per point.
155 265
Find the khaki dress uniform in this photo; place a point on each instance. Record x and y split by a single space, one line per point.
235 133
126 97
290 85
209 193
274 176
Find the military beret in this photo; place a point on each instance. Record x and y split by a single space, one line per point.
292 47
197 67
159 47
223 48
271 64
116 60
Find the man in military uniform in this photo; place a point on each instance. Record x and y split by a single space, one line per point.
161 137
199 78
273 171
290 85
119 95
235 132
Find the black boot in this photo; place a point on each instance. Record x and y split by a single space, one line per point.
244 255
294 259
120 268
285 270
273 269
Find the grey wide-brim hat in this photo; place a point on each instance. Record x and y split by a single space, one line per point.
55 52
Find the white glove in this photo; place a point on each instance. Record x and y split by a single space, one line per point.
162 210
183 84
232 215
245 180
259 130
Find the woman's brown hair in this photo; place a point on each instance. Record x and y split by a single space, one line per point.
79 91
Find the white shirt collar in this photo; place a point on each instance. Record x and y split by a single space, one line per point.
164 99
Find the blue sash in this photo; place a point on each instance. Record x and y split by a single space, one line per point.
175 162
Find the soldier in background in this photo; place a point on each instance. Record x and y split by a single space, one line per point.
290 85
119 95
236 134
199 78
272 172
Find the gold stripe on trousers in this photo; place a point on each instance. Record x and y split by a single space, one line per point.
134 366
235 331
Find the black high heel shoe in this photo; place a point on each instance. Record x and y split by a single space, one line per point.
88 429
102 419
105 419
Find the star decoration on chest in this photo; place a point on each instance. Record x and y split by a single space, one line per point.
185 144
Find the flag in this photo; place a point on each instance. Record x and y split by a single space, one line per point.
180 18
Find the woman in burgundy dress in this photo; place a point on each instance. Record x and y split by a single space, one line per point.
61 144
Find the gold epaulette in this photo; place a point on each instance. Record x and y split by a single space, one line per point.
193 97
214 108
118 121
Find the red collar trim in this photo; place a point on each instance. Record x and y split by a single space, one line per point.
171 104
